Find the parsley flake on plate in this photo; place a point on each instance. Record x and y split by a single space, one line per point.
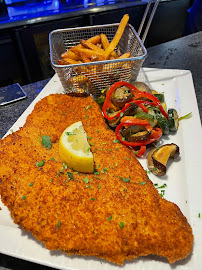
46 141
40 163
121 225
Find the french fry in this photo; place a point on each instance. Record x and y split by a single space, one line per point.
91 46
89 78
78 88
87 52
85 59
117 36
79 79
105 44
68 61
125 55
71 55
94 40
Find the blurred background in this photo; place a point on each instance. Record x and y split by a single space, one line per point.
25 26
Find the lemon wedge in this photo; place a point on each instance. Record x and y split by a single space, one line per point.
74 149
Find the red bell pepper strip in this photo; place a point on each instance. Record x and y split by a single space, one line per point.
156 133
141 151
154 99
124 108
145 102
130 121
140 105
107 101
137 94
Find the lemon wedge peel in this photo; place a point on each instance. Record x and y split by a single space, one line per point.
74 149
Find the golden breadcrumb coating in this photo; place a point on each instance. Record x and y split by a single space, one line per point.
115 214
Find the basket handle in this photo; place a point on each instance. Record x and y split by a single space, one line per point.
149 21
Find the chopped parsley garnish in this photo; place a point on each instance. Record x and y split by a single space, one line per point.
162 193
88 107
64 166
86 180
71 176
147 171
199 215
96 173
88 137
163 186
88 186
46 141
51 180
99 186
142 183
31 184
109 218
91 143
121 225
121 114
86 116
69 133
93 199
40 163
124 179
59 223
23 197
52 158
116 141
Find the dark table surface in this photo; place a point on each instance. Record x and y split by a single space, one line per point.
184 53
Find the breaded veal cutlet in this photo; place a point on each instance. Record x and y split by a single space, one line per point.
119 215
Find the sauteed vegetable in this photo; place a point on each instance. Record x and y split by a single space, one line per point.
138 116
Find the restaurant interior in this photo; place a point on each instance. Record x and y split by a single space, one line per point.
25 26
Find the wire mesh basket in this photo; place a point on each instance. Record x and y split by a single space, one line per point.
93 77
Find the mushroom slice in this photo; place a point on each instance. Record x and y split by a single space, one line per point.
142 87
121 96
132 109
151 166
157 158
114 122
142 135
127 132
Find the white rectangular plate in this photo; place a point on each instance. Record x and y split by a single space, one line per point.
183 179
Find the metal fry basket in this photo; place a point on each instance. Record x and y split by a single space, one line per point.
93 77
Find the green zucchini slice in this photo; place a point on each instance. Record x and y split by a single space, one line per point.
160 97
173 120
163 123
